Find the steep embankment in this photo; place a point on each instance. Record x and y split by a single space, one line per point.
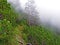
16 33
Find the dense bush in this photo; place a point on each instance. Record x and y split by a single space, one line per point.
7 24
38 35
7 33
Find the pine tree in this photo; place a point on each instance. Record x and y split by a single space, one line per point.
32 16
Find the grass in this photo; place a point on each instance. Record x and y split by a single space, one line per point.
10 30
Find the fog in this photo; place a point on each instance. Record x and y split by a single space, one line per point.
49 10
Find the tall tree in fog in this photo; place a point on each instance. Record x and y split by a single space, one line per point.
30 8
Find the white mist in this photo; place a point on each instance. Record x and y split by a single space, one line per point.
49 10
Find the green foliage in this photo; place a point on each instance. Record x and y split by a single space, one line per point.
7 12
7 24
40 36
9 31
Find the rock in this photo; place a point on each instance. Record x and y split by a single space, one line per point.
28 44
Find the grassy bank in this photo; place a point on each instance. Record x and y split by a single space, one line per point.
14 32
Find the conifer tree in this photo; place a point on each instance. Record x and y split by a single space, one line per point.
32 13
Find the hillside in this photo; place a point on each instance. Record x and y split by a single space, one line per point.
15 32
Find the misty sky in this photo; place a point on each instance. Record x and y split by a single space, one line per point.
49 10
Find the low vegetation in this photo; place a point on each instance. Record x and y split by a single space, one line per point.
20 33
